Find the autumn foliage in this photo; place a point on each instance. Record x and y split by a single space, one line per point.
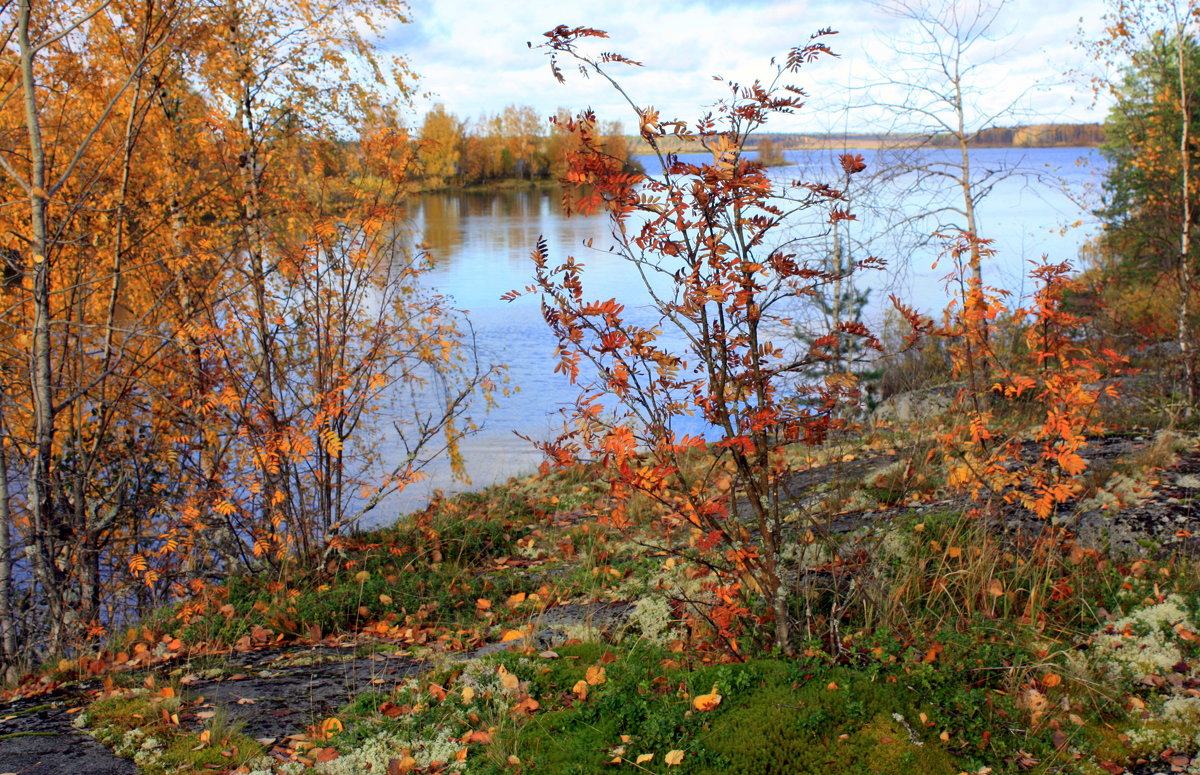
1050 374
206 300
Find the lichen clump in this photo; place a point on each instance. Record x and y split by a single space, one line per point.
1145 642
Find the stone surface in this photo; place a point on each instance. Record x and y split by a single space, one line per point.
36 738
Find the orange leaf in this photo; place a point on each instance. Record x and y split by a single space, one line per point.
706 701
330 727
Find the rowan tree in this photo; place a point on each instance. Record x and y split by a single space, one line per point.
705 241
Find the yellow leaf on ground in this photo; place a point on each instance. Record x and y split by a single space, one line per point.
673 758
510 635
330 727
642 758
507 679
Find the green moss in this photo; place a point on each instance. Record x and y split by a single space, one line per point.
187 754
776 716
860 727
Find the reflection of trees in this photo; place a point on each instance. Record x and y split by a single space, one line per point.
441 224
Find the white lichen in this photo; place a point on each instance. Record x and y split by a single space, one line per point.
1144 642
654 621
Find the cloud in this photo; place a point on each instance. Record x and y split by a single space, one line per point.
472 55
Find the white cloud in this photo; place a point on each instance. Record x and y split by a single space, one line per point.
472 55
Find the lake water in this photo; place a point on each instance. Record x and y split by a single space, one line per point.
481 244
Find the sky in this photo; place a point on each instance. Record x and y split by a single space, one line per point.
472 56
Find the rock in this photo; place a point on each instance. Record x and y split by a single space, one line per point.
605 618
916 405
37 738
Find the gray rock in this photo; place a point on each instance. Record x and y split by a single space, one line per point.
36 738
916 405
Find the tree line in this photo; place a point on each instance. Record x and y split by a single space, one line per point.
515 144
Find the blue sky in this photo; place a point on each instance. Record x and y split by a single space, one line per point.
472 55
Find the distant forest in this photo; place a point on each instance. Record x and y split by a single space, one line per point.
1033 136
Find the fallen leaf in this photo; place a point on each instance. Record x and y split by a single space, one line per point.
507 679
511 635
595 675
673 758
706 701
330 727
642 758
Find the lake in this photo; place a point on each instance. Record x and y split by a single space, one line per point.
481 244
